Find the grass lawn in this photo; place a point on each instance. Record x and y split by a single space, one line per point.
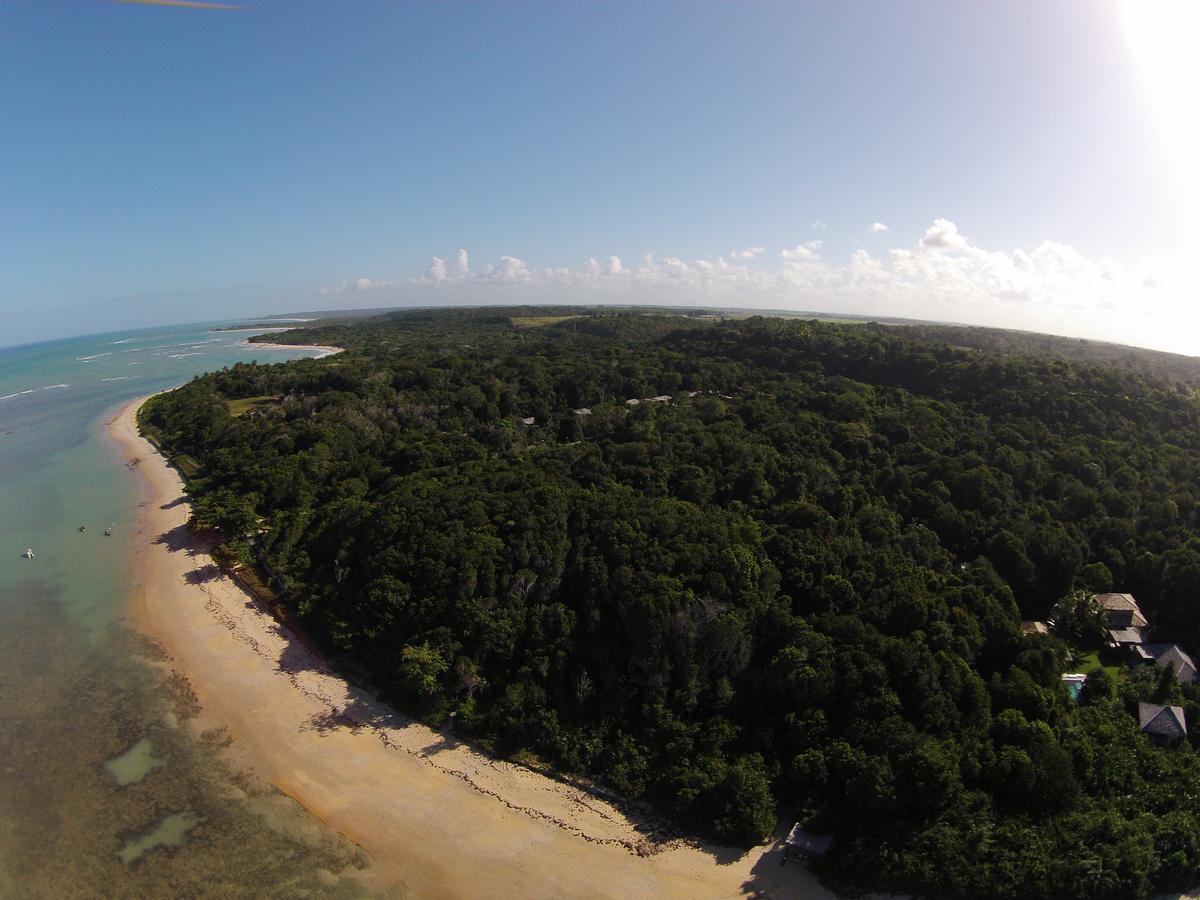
252 577
539 321
1090 662
257 582
245 404
188 465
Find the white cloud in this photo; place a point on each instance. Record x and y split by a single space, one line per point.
806 250
510 270
358 284
748 253
942 276
817 223
436 272
943 234
594 269
878 228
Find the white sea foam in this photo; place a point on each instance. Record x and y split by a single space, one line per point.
51 387
124 341
182 355
90 358
118 378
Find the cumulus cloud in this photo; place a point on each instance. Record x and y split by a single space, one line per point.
806 250
436 271
941 275
510 270
943 235
942 267
878 228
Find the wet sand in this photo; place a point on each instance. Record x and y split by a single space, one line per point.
434 815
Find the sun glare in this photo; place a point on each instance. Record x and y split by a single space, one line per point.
1165 36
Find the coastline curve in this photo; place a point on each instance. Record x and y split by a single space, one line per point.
434 815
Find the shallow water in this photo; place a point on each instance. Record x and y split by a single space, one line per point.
57 471
195 827
135 763
105 791
170 832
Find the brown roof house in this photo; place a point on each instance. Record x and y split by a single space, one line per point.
1124 618
1162 724
1121 611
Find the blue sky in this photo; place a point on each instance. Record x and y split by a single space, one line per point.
161 164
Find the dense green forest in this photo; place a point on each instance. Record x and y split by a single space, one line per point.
792 589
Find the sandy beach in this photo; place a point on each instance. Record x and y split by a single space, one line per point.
434 815
322 350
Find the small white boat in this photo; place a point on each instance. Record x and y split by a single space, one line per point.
29 553
108 530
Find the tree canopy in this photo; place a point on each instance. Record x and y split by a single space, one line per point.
794 587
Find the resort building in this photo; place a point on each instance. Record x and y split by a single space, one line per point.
1121 610
1169 655
1162 724
803 844
1126 623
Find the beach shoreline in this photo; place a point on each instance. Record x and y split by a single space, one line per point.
433 814
322 349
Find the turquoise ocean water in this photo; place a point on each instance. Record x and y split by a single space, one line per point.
103 792
57 472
